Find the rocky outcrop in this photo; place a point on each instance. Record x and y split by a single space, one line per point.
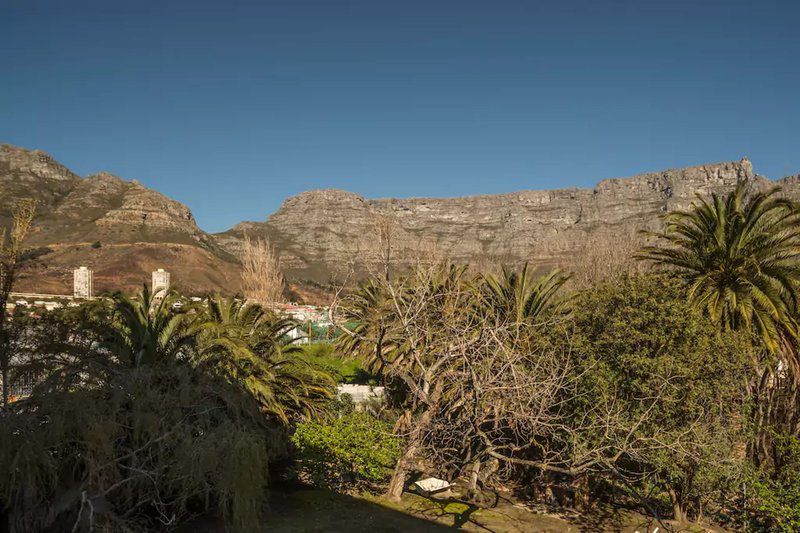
123 229
325 233
32 174
120 228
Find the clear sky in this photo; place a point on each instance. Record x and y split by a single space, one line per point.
230 107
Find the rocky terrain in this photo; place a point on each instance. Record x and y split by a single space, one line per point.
124 230
119 228
327 233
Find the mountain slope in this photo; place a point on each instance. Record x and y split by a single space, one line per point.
124 230
326 233
119 228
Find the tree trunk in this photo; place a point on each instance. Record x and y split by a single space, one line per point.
5 384
580 484
474 473
5 351
398 482
678 510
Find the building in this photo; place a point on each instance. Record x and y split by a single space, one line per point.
361 395
83 283
160 281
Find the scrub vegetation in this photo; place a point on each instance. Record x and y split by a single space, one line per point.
668 389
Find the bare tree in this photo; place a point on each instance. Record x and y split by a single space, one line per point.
384 231
11 242
487 391
384 249
399 333
605 254
262 279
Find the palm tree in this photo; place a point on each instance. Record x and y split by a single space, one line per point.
368 316
380 311
740 255
146 330
250 346
519 298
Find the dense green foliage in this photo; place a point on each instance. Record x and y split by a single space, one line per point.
147 412
741 257
776 495
250 347
352 448
675 381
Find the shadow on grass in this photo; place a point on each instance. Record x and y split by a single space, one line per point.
302 509
449 511
315 510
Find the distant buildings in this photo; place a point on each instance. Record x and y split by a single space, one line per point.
361 395
313 323
82 289
301 313
160 282
83 283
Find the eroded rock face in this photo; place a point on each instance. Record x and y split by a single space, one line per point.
326 233
120 228
32 166
123 229
31 174
140 206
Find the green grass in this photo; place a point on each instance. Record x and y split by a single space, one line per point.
313 510
344 370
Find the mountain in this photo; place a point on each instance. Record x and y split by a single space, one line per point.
327 233
119 228
124 230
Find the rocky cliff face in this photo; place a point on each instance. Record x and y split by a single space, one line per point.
120 228
124 230
325 233
31 174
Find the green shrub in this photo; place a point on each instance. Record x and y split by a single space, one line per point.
352 449
675 379
776 495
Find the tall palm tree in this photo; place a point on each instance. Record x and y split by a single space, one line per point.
250 346
740 255
146 330
519 298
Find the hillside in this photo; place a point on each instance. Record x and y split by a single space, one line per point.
119 228
124 230
327 233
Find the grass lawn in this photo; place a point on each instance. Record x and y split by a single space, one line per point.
310 510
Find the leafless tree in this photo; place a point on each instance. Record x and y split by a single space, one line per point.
262 278
605 254
483 393
384 249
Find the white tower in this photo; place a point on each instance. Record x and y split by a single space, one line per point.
160 282
83 283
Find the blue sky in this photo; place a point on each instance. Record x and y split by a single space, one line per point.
230 107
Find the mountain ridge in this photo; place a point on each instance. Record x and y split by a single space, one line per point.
123 230
545 227
120 228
